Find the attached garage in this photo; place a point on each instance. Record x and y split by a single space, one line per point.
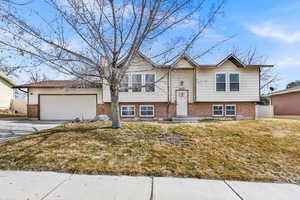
67 107
63 100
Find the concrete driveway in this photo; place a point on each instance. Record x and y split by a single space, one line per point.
11 128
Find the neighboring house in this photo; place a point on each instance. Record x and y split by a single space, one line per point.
286 102
6 92
226 89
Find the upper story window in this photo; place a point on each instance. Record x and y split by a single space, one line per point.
136 82
124 84
142 82
234 79
221 82
149 82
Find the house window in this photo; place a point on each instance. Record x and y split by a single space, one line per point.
124 84
230 110
136 82
150 82
220 82
128 111
217 110
234 82
147 111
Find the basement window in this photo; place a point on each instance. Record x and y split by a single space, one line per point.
128 111
217 110
230 110
147 111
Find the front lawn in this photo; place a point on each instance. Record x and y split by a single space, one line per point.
264 150
10 115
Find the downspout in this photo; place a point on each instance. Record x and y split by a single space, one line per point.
169 93
195 83
259 84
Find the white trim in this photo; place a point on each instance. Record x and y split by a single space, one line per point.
226 110
214 110
216 81
122 106
147 115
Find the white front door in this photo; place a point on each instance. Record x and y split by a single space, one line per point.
182 102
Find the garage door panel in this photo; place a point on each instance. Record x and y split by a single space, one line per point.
67 107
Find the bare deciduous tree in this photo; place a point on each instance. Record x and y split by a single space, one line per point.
8 70
79 34
268 76
36 76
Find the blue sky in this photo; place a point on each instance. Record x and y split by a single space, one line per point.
270 26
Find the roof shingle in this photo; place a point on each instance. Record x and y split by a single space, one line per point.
60 84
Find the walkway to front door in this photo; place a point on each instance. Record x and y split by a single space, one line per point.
181 102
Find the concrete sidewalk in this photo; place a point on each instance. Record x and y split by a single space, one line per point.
18 185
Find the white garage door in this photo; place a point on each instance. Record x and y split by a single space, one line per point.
67 107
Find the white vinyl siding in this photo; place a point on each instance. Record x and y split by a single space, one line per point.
127 111
146 111
140 66
182 79
248 84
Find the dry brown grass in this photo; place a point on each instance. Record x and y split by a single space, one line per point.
264 150
296 117
11 115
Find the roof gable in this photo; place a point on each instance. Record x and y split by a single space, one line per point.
237 62
186 62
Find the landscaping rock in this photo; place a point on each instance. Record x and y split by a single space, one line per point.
101 118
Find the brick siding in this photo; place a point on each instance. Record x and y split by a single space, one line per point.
205 109
247 109
32 111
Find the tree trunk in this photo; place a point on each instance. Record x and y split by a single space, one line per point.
115 113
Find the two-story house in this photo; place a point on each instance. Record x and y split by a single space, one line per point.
148 90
